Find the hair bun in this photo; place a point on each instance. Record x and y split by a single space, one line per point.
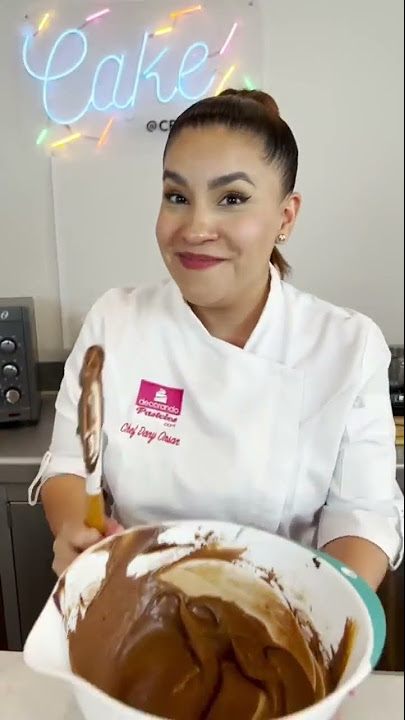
263 98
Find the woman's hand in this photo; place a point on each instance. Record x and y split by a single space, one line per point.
74 538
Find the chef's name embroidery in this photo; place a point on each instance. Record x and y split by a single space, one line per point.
148 435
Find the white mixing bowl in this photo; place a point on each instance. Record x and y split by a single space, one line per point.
313 582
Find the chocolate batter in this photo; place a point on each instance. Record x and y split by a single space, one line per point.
200 639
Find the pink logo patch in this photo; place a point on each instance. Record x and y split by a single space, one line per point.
159 397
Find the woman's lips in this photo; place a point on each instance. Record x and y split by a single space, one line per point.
191 261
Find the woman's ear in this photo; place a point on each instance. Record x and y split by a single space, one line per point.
292 205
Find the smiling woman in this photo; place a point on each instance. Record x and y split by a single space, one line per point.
278 402
232 202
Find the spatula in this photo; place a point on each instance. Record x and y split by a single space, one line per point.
91 415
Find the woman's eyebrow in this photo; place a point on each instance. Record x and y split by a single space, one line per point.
228 179
175 177
213 184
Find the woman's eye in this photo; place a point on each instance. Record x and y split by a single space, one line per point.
175 198
234 199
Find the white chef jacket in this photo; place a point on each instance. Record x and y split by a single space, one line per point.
293 433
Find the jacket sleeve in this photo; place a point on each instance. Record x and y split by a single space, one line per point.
364 499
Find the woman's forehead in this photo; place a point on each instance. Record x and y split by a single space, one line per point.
214 150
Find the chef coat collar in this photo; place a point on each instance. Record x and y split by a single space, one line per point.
271 316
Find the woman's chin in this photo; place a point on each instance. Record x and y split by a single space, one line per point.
204 289
202 299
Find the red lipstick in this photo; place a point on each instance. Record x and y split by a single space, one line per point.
192 261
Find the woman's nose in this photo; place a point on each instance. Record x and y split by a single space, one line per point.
196 237
199 230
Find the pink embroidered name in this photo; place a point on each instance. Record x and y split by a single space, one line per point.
148 435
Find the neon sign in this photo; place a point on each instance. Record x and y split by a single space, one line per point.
49 76
113 84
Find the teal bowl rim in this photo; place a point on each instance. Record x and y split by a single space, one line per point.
370 600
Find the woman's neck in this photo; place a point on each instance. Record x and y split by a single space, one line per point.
235 323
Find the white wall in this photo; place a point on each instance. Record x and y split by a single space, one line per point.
336 71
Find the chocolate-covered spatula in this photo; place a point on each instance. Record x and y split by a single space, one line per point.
90 430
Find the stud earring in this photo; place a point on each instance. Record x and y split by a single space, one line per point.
281 239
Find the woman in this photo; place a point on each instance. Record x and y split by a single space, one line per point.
228 393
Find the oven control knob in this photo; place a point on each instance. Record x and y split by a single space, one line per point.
13 396
10 371
8 346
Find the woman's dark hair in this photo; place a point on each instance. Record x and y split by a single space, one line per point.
255 112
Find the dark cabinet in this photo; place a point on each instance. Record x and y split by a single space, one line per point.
3 639
32 549
26 576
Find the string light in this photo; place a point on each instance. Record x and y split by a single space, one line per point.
42 135
248 83
44 22
68 139
105 133
163 31
225 80
189 10
97 15
229 38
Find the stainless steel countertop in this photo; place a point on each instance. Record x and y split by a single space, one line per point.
26 445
